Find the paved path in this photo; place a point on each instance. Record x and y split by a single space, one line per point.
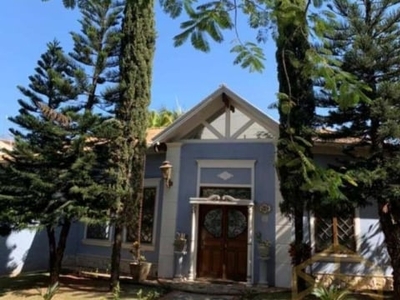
190 296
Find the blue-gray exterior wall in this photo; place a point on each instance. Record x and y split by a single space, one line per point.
264 185
19 252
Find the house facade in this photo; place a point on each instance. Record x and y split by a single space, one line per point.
223 195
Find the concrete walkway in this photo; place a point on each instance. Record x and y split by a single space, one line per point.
190 296
205 290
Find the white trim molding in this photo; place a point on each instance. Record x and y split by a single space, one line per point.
223 201
169 215
207 107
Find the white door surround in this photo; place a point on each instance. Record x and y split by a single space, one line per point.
225 200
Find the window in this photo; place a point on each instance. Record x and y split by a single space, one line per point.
98 231
101 234
337 232
148 216
236 192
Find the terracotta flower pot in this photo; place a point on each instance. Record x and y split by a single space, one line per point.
140 271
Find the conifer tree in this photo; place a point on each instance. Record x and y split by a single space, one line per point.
129 148
296 110
367 40
79 184
96 50
33 190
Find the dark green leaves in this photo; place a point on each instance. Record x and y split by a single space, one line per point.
249 56
174 7
69 3
207 20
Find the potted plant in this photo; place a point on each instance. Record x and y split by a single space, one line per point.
263 246
180 243
139 268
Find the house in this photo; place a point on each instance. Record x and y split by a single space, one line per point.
223 194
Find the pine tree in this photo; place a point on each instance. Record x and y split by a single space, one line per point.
137 51
32 189
366 39
79 183
96 50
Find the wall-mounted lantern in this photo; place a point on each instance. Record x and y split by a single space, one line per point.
166 169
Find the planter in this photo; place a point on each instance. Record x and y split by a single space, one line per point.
180 245
263 252
140 271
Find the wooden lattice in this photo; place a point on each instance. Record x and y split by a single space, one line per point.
335 231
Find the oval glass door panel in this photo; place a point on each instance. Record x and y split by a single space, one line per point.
237 223
213 222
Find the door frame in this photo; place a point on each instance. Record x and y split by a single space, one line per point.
226 200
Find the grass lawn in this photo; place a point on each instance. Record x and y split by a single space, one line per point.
71 287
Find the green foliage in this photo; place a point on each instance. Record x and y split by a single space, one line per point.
249 55
366 41
32 179
209 19
163 117
131 111
55 172
116 292
71 4
150 295
96 50
50 292
331 293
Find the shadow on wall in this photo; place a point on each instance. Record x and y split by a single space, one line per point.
23 251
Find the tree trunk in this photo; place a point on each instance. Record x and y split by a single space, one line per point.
56 252
391 230
116 257
298 240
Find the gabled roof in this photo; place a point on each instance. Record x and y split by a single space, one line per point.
208 107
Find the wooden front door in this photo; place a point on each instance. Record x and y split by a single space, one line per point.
222 244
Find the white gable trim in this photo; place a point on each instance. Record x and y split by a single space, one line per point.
240 103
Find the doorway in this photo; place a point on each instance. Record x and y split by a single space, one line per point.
222 242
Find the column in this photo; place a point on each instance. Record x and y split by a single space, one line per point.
263 271
179 262
169 214
250 234
283 237
193 243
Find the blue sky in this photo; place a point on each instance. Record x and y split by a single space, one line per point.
181 75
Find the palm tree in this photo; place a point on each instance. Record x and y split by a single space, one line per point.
163 117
